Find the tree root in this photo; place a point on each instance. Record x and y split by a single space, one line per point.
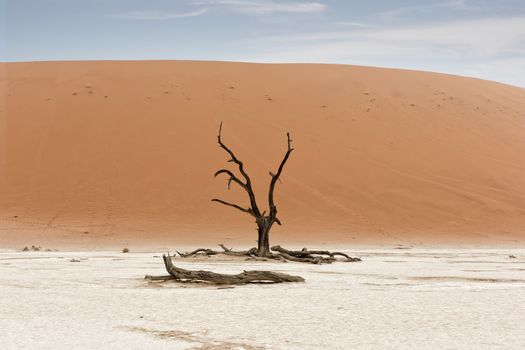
311 260
225 251
182 275
312 256
200 251
282 254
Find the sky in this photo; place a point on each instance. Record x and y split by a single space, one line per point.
480 38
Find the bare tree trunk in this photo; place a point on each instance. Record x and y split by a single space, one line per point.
263 242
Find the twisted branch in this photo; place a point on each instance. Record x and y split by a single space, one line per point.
247 186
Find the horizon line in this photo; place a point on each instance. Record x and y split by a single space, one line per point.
254 63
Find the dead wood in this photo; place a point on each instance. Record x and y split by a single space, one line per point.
182 275
312 256
311 260
225 251
159 278
200 251
280 253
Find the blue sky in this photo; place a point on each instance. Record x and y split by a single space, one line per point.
478 38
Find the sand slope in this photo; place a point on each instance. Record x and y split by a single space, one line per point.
95 153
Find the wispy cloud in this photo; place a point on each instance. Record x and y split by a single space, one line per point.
262 7
158 16
253 7
450 5
452 46
482 38
351 24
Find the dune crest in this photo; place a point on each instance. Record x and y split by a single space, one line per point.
98 153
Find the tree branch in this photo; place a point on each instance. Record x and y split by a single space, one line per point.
249 211
275 177
248 185
232 178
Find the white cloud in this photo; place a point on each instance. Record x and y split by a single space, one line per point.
262 7
159 16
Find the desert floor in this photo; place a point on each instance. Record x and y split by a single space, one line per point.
394 299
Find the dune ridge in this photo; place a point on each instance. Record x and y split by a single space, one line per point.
112 153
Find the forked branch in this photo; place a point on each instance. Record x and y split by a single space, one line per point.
232 178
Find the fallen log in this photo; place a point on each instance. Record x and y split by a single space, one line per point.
182 275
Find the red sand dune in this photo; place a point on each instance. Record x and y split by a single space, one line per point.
111 153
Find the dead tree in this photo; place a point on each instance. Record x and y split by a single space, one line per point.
264 221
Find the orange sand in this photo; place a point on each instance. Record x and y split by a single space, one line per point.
111 153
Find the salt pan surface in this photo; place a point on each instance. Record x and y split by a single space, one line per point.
394 299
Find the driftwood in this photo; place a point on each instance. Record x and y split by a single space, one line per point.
182 275
279 253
